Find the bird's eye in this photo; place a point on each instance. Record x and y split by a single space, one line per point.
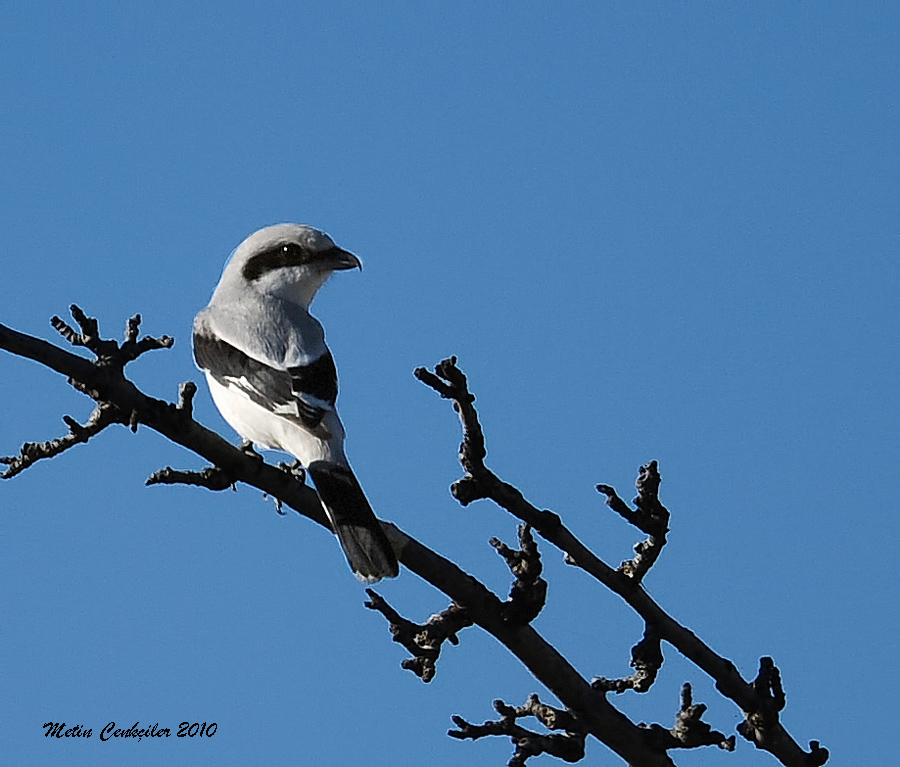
278 256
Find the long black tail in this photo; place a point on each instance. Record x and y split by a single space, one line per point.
352 519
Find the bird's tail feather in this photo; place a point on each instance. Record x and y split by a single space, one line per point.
366 546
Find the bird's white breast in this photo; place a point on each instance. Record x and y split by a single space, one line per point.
269 430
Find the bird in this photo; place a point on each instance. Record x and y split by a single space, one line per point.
273 378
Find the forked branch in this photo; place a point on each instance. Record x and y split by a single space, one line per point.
106 384
650 517
480 482
586 707
529 591
690 731
646 660
568 746
424 641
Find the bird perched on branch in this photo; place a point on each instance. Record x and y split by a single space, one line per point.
273 378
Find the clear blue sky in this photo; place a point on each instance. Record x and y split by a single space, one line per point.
648 230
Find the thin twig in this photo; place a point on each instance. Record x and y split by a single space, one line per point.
30 453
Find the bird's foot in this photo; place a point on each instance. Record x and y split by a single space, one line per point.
296 472
295 469
246 447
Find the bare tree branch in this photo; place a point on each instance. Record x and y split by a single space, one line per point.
481 483
424 641
646 660
529 591
569 746
212 478
105 384
109 352
651 517
689 730
31 452
761 726
104 381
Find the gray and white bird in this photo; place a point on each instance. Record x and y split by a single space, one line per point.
273 378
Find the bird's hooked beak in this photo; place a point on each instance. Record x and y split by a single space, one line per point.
338 258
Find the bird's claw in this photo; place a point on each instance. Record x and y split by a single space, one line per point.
246 447
295 469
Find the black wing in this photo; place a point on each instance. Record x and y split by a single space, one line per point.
315 388
304 392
